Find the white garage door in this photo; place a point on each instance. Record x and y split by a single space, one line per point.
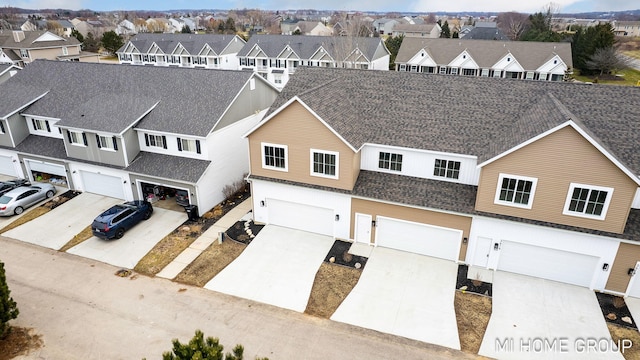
418 238
546 263
7 167
45 167
300 216
102 184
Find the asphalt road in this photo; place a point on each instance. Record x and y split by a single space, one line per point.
84 311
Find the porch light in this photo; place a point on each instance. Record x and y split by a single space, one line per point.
465 240
261 203
631 271
605 267
337 217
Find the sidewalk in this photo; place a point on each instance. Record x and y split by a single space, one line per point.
207 238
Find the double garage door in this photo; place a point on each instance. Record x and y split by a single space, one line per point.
102 184
547 263
418 238
301 216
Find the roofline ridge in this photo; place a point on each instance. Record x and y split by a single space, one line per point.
317 87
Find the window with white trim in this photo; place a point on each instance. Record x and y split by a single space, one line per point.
274 157
390 161
443 70
65 51
107 142
152 140
41 125
514 190
24 53
587 201
447 168
189 145
77 138
324 163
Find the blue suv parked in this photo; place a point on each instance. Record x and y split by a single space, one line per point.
119 218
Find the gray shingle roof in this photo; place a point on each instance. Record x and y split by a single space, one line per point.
43 146
193 43
17 96
486 53
486 33
168 167
464 115
305 46
191 101
7 41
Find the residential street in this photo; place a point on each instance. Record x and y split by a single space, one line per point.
84 311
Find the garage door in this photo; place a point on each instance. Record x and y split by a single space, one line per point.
102 184
546 263
418 238
300 216
47 168
7 167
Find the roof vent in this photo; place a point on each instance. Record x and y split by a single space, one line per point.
18 36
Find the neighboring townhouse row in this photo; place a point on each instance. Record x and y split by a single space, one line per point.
23 47
536 178
209 51
626 28
486 58
122 130
274 57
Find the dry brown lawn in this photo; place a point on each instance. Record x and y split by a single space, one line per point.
28 216
619 333
19 342
85 234
210 262
331 286
168 249
472 315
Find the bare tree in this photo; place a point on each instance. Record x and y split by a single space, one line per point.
607 60
512 24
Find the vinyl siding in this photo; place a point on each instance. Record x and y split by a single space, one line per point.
375 209
626 258
558 160
301 132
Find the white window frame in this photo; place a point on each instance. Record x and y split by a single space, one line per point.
484 73
24 53
532 193
324 152
391 154
442 70
286 156
65 51
530 75
605 206
106 142
447 169
190 147
76 138
40 125
454 71
155 141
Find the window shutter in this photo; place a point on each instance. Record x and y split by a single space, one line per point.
47 123
179 144
98 141
115 143
2 127
84 139
198 146
164 141
69 136
146 139
33 121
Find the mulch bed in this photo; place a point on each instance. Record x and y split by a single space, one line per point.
474 286
223 207
243 231
614 309
339 252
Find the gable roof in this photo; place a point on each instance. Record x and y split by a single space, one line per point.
192 43
486 53
486 33
8 41
481 117
118 95
305 46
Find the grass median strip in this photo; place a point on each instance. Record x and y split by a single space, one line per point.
210 262
331 286
85 234
168 249
473 312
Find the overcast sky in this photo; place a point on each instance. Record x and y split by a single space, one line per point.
525 6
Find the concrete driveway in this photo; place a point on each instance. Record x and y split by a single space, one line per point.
55 228
277 268
136 242
405 294
549 319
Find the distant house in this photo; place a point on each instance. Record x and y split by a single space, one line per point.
384 26
96 27
276 57
627 28
418 30
486 58
160 25
485 30
126 28
23 47
313 28
210 51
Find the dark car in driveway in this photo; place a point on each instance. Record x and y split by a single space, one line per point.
112 223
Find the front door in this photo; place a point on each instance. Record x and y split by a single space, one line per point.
363 228
483 249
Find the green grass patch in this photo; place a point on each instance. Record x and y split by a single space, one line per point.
627 77
632 53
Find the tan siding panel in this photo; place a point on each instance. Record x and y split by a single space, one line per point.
301 131
556 161
626 258
375 209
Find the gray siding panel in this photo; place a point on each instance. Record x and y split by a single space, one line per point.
19 127
91 152
248 103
